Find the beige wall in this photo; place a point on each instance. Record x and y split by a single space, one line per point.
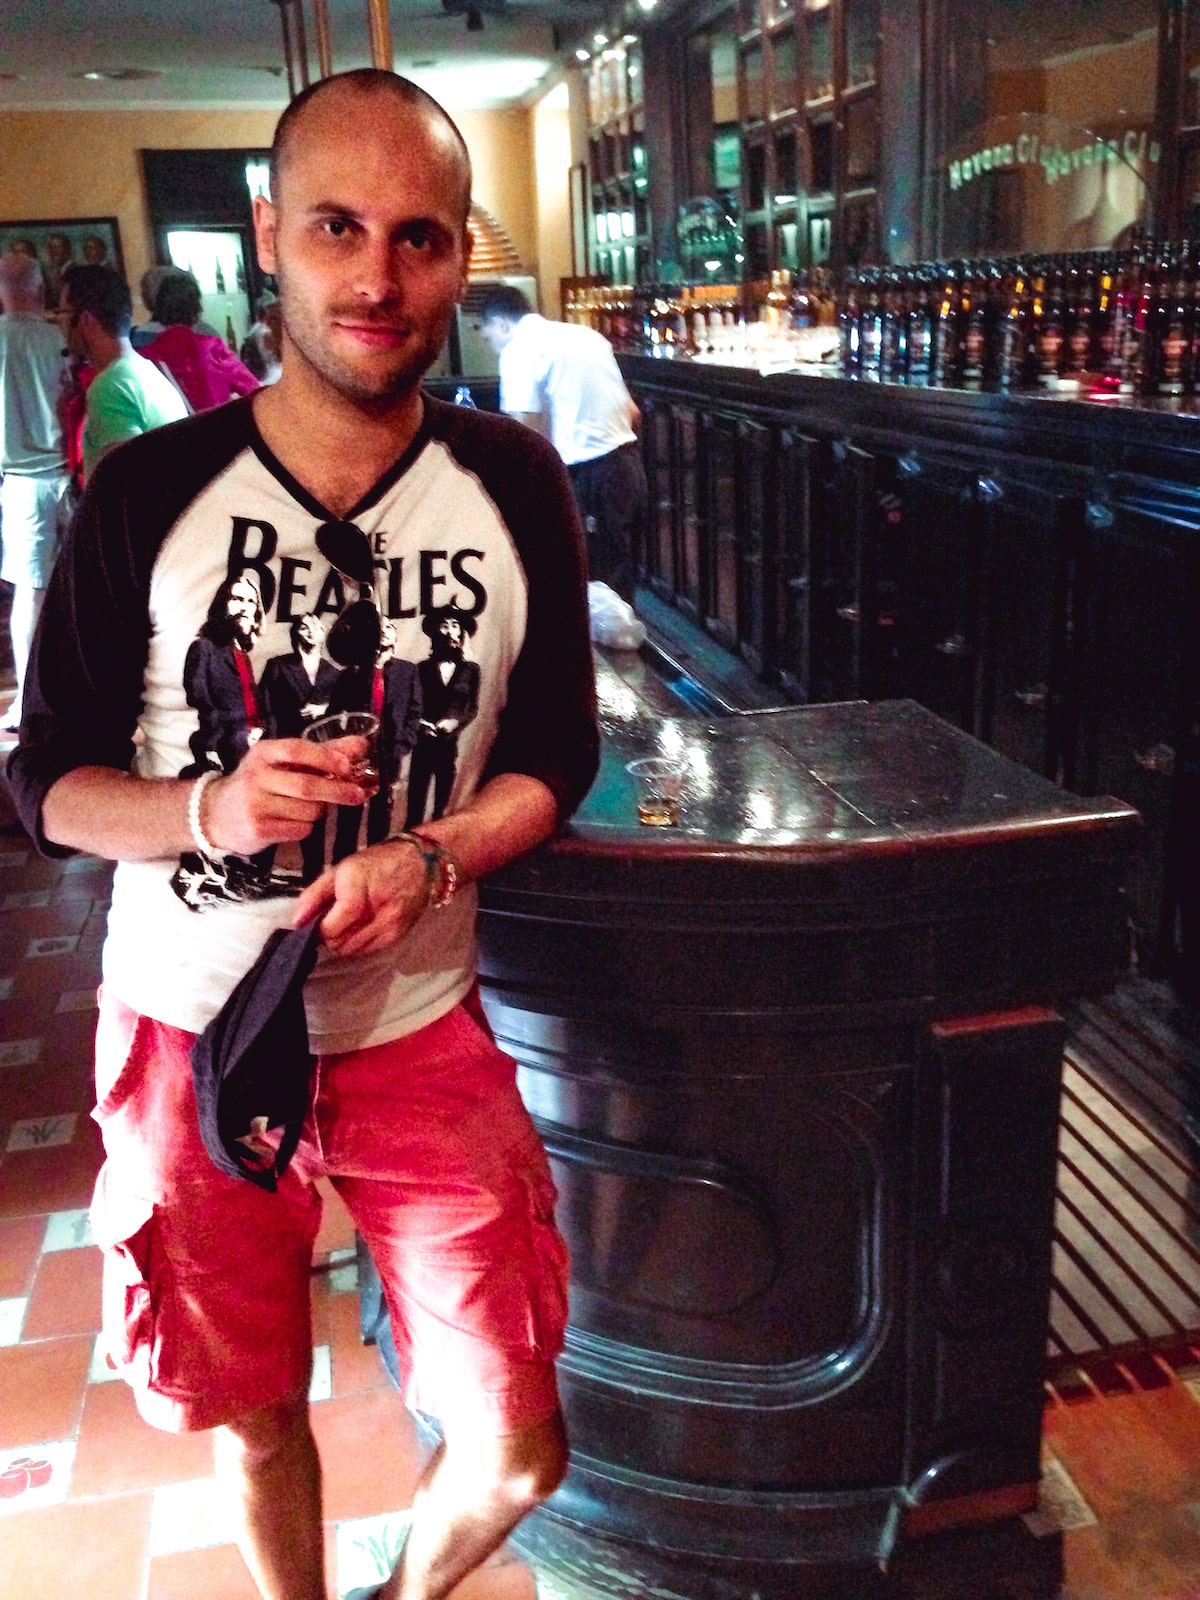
62 164
552 149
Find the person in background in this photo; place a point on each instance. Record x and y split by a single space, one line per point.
32 458
563 380
149 284
59 254
262 344
201 364
128 395
95 250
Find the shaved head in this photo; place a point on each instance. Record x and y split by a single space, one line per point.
364 86
22 286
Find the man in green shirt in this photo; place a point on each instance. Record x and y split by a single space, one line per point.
129 395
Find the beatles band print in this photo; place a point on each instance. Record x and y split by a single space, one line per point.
422 707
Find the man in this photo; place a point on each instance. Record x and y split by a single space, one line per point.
391 692
32 456
564 381
218 679
203 366
417 1120
449 702
59 254
128 395
295 692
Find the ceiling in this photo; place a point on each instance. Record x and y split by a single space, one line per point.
230 52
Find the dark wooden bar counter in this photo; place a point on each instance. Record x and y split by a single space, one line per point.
1025 564
796 1060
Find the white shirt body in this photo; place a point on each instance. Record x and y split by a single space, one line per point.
568 373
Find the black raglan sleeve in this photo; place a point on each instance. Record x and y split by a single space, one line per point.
548 727
83 689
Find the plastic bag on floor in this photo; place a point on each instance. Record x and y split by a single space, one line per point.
612 620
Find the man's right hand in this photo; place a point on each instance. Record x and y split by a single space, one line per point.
279 789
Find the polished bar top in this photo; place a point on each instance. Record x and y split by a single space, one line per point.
810 780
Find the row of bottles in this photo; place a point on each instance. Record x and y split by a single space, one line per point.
701 319
1127 322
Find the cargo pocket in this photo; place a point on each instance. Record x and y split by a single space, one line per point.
123 1228
549 1268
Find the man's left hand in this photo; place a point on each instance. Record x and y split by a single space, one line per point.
367 902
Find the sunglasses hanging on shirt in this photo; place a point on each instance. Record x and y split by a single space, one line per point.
353 640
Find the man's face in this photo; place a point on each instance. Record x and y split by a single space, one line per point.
448 639
70 321
310 631
242 609
368 243
496 331
58 249
94 250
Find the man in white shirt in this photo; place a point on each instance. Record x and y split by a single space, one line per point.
563 380
32 458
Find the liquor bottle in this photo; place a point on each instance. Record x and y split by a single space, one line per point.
801 308
1015 332
230 335
220 277
920 318
870 328
972 336
945 362
1084 312
847 322
1051 331
1173 350
893 355
1137 373
1119 337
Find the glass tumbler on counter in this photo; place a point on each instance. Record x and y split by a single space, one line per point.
659 780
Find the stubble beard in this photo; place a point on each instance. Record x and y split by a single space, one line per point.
311 344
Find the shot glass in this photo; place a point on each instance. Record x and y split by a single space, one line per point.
659 780
351 724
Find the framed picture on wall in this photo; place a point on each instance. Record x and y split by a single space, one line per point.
59 244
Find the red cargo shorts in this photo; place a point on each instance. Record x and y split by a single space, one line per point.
206 1277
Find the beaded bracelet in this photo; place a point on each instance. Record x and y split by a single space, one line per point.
201 840
442 871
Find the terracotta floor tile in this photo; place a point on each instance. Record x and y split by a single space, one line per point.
512 1580
337 1226
118 1451
370 1454
216 1574
95 1549
20 1245
41 1390
1138 1555
65 1296
50 1088
1135 1448
60 1179
356 1366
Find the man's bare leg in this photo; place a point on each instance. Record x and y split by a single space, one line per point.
268 1464
472 1495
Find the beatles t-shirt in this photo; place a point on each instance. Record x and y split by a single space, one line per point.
189 616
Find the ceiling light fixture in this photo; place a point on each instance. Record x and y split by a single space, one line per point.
646 5
599 40
119 74
583 55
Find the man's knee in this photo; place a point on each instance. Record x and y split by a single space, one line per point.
534 1462
260 1436
524 1468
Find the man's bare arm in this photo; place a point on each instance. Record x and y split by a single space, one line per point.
276 794
371 899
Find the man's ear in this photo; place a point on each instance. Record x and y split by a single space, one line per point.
264 233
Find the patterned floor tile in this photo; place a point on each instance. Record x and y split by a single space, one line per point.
36 1475
67 1230
368 1548
188 1516
12 1316
40 1133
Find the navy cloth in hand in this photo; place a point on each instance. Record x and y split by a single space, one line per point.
251 1066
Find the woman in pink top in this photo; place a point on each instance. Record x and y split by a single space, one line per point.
202 365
